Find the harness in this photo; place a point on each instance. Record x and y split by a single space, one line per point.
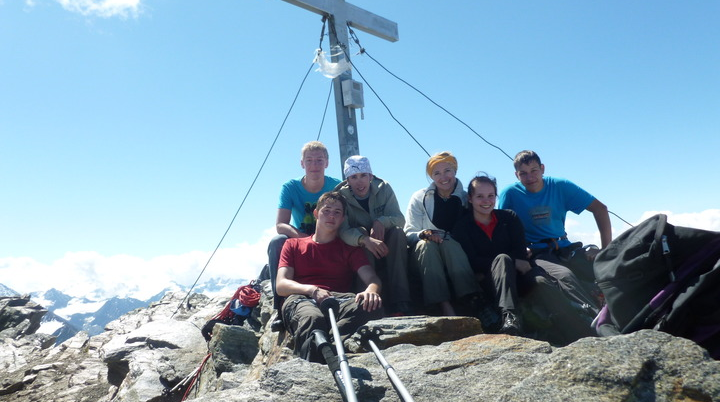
551 243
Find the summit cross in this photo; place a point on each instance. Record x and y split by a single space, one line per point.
340 15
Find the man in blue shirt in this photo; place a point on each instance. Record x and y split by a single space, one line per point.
542 204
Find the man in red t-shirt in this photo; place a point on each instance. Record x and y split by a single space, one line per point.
320 266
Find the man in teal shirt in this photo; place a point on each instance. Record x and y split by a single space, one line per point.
298 198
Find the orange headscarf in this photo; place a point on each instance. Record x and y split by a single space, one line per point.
441 157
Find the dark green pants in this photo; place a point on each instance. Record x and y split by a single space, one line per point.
302 316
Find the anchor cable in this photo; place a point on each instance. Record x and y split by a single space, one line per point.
248 191
343 47
364 51
327 102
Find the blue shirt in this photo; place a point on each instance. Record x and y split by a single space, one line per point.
543 213
301 202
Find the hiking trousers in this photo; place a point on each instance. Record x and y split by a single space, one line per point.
568 282
503 283
393 267
547 299
302 316
445 271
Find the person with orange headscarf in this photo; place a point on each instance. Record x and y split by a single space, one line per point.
443 267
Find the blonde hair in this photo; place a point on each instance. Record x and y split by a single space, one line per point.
313 146
441 157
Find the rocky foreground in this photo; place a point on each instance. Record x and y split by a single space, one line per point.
151 354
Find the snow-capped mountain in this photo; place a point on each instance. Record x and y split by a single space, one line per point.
217 286
212 287
55 325
6 291
52 299
92 316
68 315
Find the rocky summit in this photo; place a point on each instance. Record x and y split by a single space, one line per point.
158 354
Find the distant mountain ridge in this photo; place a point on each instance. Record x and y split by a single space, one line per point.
68 315
7 292
52 299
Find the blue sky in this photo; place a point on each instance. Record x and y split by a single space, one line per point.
131 130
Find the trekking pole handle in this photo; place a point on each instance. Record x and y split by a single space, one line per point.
330 304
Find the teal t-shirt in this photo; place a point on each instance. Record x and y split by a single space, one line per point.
301 202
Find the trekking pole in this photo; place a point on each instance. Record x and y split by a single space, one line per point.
366 337
330 306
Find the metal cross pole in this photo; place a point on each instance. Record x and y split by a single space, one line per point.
342 14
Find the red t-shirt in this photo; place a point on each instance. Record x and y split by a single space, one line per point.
331 266
490 227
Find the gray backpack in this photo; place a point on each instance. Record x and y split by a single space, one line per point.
665 277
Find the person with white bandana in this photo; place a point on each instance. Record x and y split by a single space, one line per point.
374 222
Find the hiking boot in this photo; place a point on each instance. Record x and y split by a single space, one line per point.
511 324
277 326
486 312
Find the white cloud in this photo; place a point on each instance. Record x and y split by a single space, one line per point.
708 219
587 233
103 8
90 274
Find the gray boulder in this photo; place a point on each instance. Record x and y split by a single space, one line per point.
645 366
19 316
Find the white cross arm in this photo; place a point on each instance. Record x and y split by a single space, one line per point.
356 17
